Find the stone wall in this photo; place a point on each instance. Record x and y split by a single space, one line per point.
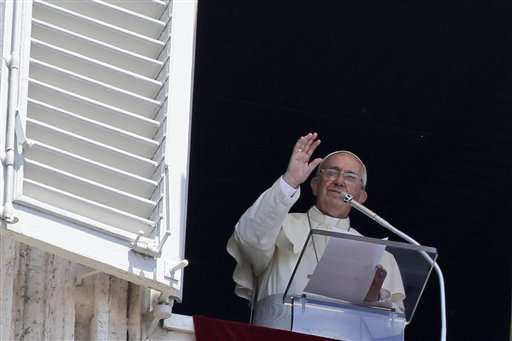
40 299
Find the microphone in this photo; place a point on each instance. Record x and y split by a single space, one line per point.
348 198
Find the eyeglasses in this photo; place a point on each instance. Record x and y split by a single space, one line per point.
334 173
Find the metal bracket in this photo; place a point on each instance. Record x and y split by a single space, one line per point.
143 247
170 270
20 133
178 266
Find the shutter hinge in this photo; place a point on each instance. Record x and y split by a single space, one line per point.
12 61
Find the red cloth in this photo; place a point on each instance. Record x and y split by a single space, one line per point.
210 329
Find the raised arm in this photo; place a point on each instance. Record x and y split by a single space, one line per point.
259 227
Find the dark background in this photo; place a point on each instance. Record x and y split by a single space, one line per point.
420 90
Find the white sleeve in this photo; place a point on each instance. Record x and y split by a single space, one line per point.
259 226
286 188
253 242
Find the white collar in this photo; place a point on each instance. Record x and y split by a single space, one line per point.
320 220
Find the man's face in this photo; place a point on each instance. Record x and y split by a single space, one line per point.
328 189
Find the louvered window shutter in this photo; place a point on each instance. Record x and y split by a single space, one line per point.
104 102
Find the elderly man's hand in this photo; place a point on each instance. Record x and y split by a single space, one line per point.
373 294
299 167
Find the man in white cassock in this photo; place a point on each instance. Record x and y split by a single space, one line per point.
267 240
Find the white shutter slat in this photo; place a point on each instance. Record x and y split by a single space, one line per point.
96 29
94 110
95 69
91 129
150 8
89 169
84 188
92 89
87 148
86 208
95 49
115 15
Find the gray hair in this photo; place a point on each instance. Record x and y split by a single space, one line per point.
364 176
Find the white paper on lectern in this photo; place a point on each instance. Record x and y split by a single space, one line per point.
345 270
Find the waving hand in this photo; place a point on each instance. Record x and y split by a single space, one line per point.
299 167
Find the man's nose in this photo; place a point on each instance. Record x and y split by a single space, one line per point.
340 180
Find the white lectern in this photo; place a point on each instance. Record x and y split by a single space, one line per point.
340 316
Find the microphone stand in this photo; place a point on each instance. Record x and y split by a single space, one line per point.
372 215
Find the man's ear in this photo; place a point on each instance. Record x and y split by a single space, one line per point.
362 197
314 185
